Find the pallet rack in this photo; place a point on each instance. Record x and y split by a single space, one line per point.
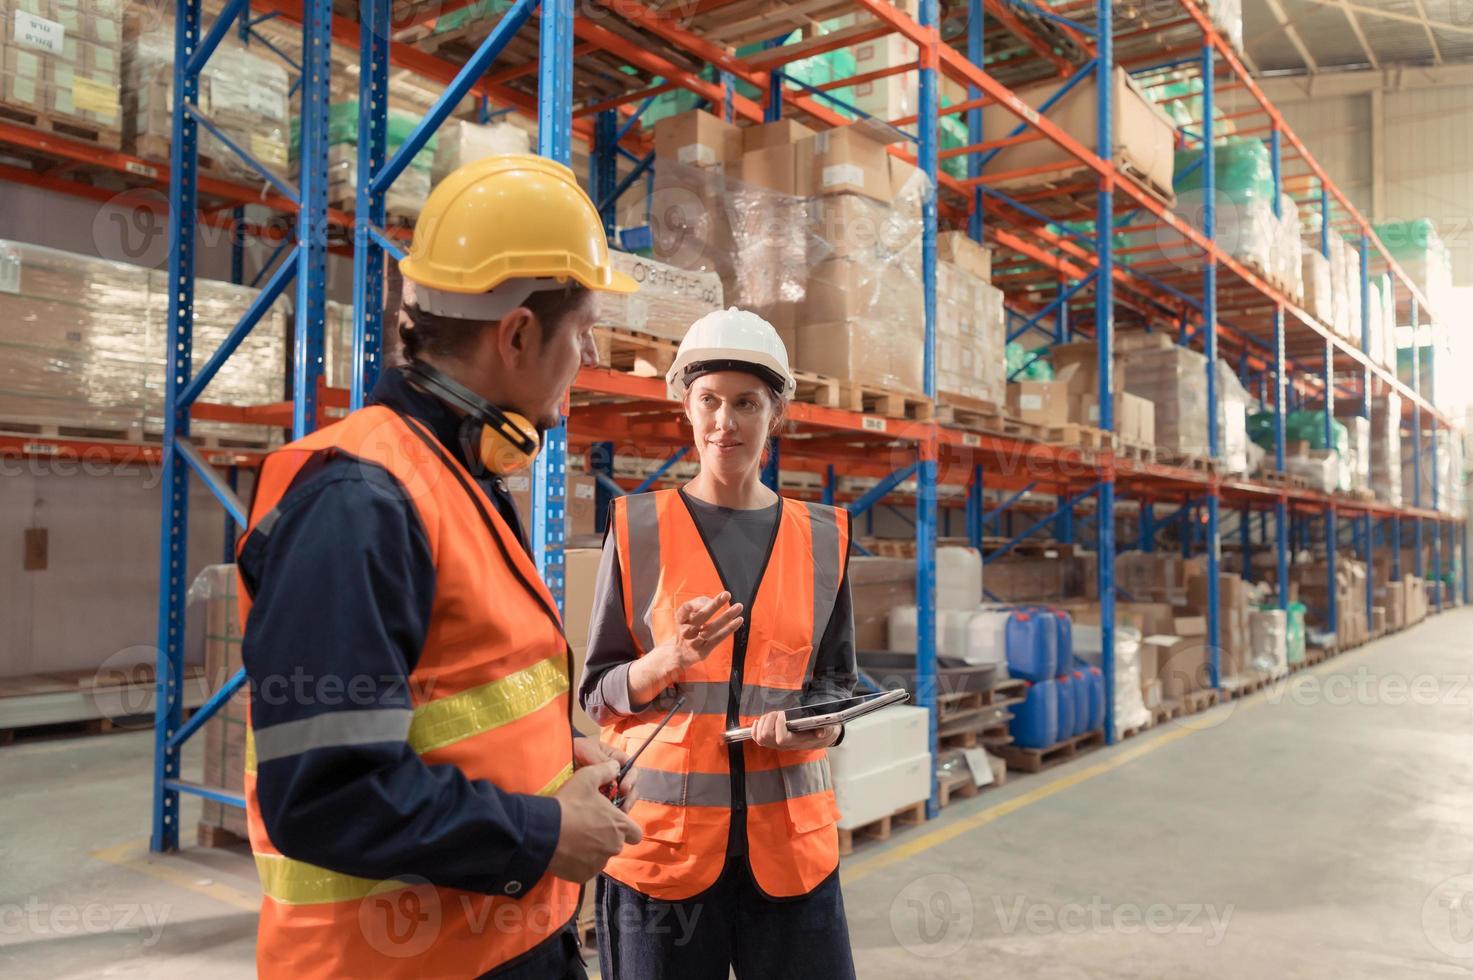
1208 299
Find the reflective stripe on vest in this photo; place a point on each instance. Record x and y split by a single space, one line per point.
684 776
488 699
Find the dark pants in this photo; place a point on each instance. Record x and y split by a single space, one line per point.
731 925
556 958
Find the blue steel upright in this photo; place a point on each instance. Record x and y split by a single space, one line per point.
554 140
975 32
1209 330
312 228
1281 506
929 144
1105 342
369 206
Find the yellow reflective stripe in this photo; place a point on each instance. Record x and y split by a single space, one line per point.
480 709
250 751
557 781
293 882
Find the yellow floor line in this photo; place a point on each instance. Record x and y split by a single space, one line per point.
135 856
935 838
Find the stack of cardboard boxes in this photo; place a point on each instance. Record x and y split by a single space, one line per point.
1385 439
1353 624
224 734
971 332
819 233
62 60
669 299
1073 396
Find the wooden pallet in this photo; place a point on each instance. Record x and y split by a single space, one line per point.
1196 702
214 835
1058 193
131 430
1139 452
1167 710
911 815
156 149
1037 760
870 400
75 129
1234 688
634 353
963 786
817 389
1135 730
1079 436
1186 461
969 413
1030 547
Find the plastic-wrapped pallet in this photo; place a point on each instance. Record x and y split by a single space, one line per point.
86 338
1130 707
1289 249
970 328
668 302
1232 420
1317 289
1386 355
406 195
1227 16
838 274
1246 225
1268 631
1321 468
61 62
1173 378
1357 470
1340 297
1385 451
462 142
246 94
1420 251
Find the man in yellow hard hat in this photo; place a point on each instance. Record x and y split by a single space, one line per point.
417 804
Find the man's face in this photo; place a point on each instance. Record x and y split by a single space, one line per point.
552 362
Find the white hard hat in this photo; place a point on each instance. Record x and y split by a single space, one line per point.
732 340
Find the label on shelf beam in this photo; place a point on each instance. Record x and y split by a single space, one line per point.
971 440
873 424
38 33
140 169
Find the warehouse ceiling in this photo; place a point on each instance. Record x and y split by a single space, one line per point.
1307 36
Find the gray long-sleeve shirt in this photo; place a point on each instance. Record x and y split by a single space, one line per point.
738 540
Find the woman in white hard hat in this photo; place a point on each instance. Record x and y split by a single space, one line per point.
737 600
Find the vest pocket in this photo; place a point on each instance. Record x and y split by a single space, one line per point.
664 790
809 810
784 665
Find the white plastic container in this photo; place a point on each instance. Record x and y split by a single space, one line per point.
869 796
958 578
879 740
970 636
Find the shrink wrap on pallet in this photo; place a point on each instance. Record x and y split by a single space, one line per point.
1317 287
462 141
1173 378
1420 251
85 341
61 66
246 94
839 275
1385 442
669 299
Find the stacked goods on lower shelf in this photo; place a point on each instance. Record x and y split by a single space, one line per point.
883 766
819 233
213 594
970 335
1355 472
1422 255
1172 377
1075 389
1352 619
86 343
247 95
1441 484
61 67
1345 295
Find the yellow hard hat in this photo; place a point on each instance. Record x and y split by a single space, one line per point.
515 216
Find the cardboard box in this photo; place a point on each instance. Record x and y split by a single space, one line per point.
580 576
784 132
579 512
769 168
876 586
1184 662
1143 141
224 734
1039 402
846 160
841 289
880 352
958 248
907 186
697 139
852 226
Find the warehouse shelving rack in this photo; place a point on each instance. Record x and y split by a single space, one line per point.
1206 297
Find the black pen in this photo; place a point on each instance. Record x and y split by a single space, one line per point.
613 792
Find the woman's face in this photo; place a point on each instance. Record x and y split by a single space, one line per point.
733 414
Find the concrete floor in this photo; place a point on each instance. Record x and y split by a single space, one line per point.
1320 829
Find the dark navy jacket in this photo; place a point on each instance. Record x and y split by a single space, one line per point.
343 588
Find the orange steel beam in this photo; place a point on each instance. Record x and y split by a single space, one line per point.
1040 47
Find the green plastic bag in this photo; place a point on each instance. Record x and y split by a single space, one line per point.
1029 366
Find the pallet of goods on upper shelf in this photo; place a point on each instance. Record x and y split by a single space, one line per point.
245 92
86 341
818 233
60 64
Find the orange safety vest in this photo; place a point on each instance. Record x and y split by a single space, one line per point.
685 782
490 697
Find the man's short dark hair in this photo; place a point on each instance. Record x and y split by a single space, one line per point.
429 333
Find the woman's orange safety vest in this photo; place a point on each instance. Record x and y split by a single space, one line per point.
490 694
685 779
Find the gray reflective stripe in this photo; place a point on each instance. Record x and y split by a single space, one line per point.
760 700
644 562
788 782
332 730
266 523
684 788
710 698
827 565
